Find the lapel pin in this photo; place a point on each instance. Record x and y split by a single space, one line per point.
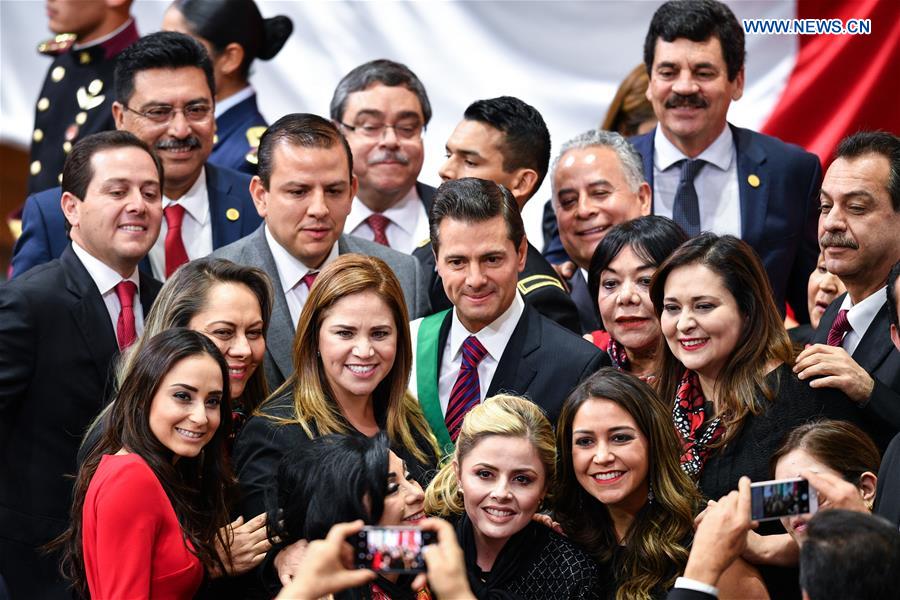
753 180
232 214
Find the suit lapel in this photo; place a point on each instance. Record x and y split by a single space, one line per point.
219 195
514 370
751 166
148 291
280 336
89 313
876 344
581 296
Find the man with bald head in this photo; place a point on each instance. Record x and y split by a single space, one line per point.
598 182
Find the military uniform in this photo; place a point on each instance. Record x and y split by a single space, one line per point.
539 285
238 130
75 100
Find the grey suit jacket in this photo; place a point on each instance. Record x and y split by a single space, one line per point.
253 251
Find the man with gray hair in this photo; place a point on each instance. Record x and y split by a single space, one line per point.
382 109
598 182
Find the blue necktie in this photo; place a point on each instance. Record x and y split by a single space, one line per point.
686 210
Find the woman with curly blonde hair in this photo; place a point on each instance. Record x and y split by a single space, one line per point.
498 477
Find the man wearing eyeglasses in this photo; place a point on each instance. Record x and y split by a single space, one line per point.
382 109
164 94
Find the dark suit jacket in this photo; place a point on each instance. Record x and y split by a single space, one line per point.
254 251
57 345
232 139
588 314
542 361
880 416
778 217
887 498
44 226
539 285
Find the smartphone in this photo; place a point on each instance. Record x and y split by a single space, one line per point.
391 549
770 500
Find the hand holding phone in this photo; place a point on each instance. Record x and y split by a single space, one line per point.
770 500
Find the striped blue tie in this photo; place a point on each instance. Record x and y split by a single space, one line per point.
466 392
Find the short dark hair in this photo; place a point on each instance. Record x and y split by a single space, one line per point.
299 129
384 71
474 200
78 170
236 21
877 142
330 479
850 555
698 21
652 238
892 294
160 50
526 142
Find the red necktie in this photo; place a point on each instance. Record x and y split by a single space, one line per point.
466 392
839 329
309 279
176 255
125 330
379 224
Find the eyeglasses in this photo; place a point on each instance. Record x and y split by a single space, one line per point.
403 131
164 113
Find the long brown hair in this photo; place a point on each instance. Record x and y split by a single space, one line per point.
314 402
763 338
198 488
654 543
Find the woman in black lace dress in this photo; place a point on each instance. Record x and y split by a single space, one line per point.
503 466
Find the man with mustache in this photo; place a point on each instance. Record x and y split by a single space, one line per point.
382 109
164 94
852 357
709 175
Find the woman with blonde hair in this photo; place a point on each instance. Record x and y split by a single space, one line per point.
499 475
352 358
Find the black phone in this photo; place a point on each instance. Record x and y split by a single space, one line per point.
391 549
770 500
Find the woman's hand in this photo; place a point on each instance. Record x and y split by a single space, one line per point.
445 563
834 492
327 566
547 521
249 545
288 561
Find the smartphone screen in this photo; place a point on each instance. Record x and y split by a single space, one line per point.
391 549
781 498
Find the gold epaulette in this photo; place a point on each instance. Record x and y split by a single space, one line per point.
536 282
424 243
57 44
253 135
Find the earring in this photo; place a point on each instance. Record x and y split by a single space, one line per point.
650 495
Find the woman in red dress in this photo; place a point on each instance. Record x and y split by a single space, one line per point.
150 498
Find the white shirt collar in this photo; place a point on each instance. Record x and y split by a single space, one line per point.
493 337
195 201
106 37
104 276
291 270
404 214
720 153
233 100
863 313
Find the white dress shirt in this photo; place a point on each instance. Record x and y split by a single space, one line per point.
494 338
408 227
291 273
106 279
718 192
196 228
861 316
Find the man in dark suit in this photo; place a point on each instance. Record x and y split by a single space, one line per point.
852 357
303 192
506 141
63 324
491 341
711 176
382 108
887 499
597 184
164 95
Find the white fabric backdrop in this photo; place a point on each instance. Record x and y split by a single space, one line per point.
564 57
